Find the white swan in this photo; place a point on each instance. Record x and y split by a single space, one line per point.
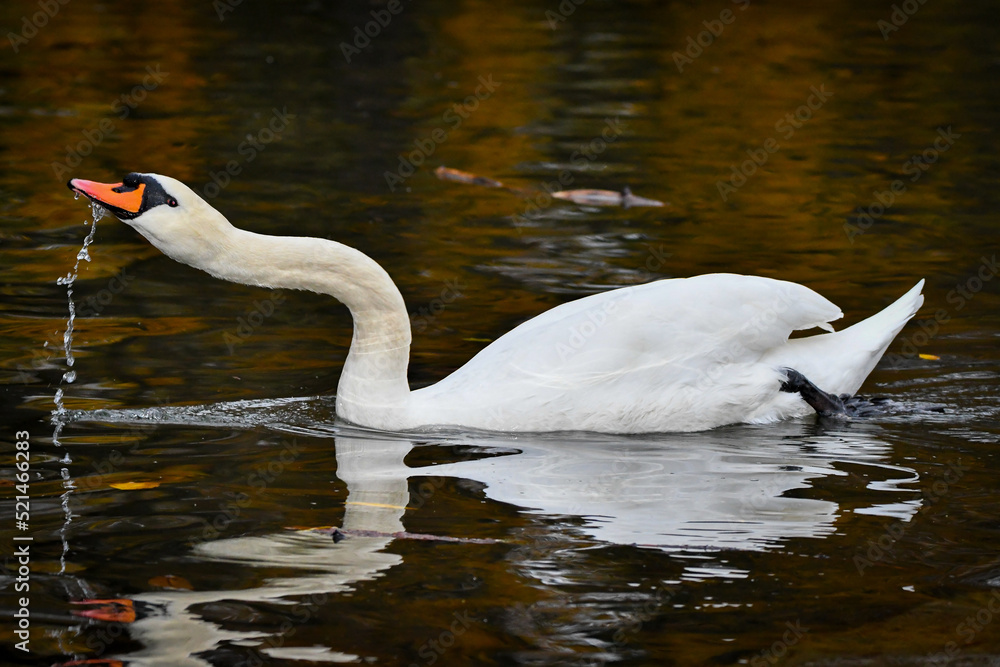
673 355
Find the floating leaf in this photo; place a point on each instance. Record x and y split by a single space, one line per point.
930 357
447 174
114 611
624 198
132 486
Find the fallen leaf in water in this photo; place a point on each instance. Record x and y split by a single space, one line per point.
132 486
624 198
447 174
114 611
171 581
930 357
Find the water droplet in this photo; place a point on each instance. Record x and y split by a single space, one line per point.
70 375
98 211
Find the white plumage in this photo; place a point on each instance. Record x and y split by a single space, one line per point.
673 355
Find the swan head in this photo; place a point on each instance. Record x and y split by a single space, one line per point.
165 211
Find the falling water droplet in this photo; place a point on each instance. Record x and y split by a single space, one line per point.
70 375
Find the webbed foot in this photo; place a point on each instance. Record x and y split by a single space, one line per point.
825 405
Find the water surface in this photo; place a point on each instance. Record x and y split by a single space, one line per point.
199 454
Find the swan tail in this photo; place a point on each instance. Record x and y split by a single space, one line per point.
871 337
839 362
878 331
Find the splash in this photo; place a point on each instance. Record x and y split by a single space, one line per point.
84 255
59 412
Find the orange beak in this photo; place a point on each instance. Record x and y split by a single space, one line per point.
122 201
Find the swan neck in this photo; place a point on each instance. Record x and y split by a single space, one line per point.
374 375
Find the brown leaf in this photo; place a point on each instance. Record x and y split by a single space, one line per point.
113 611
446 174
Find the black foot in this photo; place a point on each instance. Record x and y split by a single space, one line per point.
860 406
825 405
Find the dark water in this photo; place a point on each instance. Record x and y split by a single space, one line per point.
869 159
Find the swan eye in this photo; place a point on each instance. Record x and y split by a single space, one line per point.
171 202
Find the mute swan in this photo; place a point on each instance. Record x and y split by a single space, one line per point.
682 354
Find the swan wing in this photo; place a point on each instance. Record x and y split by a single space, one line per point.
639 344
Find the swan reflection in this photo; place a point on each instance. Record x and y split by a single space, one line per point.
724 489
730 489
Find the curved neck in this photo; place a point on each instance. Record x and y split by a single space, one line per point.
374 375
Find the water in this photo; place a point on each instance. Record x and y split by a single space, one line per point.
200 462
84 255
